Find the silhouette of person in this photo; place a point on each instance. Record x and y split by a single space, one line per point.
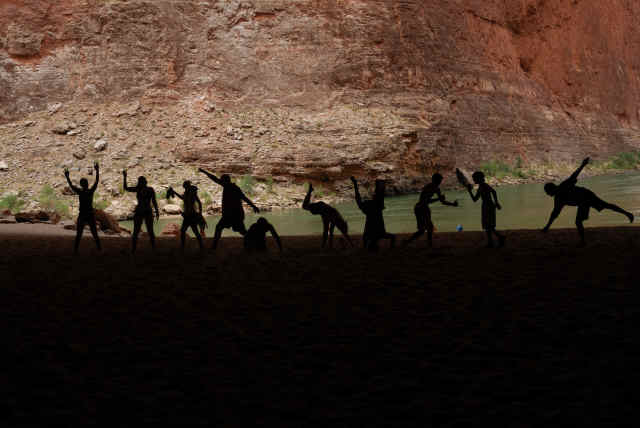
422 210
86 215
374 229
488 195
143 212
232 211
567 193
256 237
191 218
331 218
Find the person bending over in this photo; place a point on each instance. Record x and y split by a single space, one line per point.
331 218
422 210
143 212
374 229
256 237
232 211
86 215
567 193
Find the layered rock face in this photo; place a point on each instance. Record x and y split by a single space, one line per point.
325 89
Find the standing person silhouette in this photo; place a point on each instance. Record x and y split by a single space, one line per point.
190 216
143 212
232 212
374 229
567 193
422 210
256 236
331 218
86 215
488 195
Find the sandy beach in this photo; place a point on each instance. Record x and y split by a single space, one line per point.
535 334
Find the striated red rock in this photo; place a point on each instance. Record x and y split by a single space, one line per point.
392 88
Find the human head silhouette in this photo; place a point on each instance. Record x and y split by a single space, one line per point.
84 183
436 178
186 185
551 189
142 182
262 221
478 177
225 178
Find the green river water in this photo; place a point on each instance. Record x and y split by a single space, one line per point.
524 206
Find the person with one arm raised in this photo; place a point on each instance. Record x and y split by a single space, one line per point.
567 193
374 229
192 218
232 211
331 218
143 212
86 215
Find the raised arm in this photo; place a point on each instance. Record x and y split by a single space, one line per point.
357 193
74 188
171 193
211 176
95 185
307 199
275 235
124 183
577 172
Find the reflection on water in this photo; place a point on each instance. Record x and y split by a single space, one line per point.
524 206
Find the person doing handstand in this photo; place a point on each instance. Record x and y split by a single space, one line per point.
567 193
256 237
422 210
489 205
86 215
191 218
331 218
143 212
232 211
374 229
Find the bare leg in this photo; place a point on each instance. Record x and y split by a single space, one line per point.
489 233
79 228
617 209
415 236
94 232
196 232
501 238
331 229
183 233
152 236
217 235
344 230
580 231
392 238
325 232
137 225
430 235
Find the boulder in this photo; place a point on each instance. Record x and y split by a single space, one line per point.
80 154
37 217
63 127
107 222
4 166
100 145
172 209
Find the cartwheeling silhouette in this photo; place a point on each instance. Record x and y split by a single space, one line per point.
191 218
256 237
488 195
143 212
331 218
86 215
567 193
232 211
374 229
422 210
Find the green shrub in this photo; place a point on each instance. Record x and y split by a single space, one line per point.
12 203
499 169
206 198
626 160
246 183
48 199
101 204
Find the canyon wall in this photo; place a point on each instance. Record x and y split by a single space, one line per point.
322 89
